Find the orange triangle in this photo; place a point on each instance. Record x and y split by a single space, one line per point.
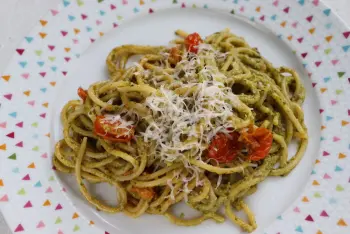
3 147
341 155
317 161
75 215
1 183
42 35
341 222
47 203
48 135
315 182
319 232
43 22
343 123
32 165
27 93
323 90
142 2
101 34
290 37
76 31
67 49
46 104
283 24
323 127
258 9
7 77
311 30
53 83
91 222
305 199
328 38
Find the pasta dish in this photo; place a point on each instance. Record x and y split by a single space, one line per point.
203 121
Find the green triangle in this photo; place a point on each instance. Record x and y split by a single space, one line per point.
21 192
119 17
317 194
58 220
99 1
341 74
174 1
38 52
339 188
35 124
80 2
52 178
233 12
327 51
338 91
76 228
154 0
52 59
36 148
12 156
194 6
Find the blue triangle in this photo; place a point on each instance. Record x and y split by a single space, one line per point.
40 63
322 139
13 114
338 168
43 90
328 26
29 39
279 217
252 19
35 136
329 118
235 1
89 29
23 64
65 3
313 172
346 48
274 17
71 18
102 13
302 2
326 79
136 10
77 55
54 68
304 64
37 184
327 12
205 6
332 201
299 229
15 170
279 36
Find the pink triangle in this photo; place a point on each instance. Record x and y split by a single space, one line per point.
309 18
58 207
20 124
335 61
43 74
83 16
92 40
294 25
316 2
60 232
25 75
321 111
318 63
51 47
286 10
346 34
19 228
8 96
4 198
3 125
48 190
314 84
20 144
75 41
335 139
44 155
303 55
11 135
300 40
67 59
28 205
316 47
325 153
64 189
242 9
262 18
98 22
296 209
54 12
333 102
326 176
40 224
115 25
64 33
275 3
309 218
43 115
20 51
125 2
64 73
31 103
27 177
183 5
113 7
324 214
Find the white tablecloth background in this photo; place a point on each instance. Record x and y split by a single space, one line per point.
17 17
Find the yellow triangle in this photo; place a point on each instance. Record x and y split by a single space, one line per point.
3 147
46 104
341 155
76 31
283 24
67 49
101 34
43 22
75 215
290 37
341 222
344 123
329 38
42 35
7 77
48 135
323 127
27 93
315 182
258 9
47 203
53 83
305 199
91 222
142 2
317 161
319 232
311 30
32 165
323 90
1 183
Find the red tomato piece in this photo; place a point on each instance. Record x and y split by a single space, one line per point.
110 130
224 148
82 93
144 193
192 41
258 142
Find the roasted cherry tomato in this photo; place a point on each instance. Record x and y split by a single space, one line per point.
82 93
192 41
109 129
224 148
144 193
174 56
258 142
